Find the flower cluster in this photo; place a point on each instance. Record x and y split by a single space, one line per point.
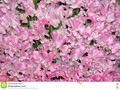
59 40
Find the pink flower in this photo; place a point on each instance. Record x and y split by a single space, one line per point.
110 17
115 47
3 78
54 67
2 30
58 38
96 78
36 55
85 47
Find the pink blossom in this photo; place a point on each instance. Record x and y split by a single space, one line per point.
110 17
59 40
3 78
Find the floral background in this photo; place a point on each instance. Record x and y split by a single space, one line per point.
59 40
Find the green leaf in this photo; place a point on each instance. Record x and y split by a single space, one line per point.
118 2
34 18
25 24
52 28
113 33
118 38
0 2
46 27
79 60
30 18
20 10
92 42
36 43
55 60
75 12
36 3
84 8
108 51
58 50
47 37
88 21
61 3
86 54
59 25
119 65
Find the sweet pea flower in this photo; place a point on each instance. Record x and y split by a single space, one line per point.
59 40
